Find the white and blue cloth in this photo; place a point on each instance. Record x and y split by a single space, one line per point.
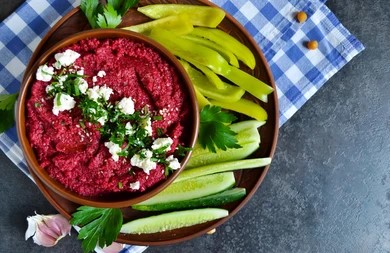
298 72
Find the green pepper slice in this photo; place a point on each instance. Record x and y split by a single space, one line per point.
199 15
198 54
202 84
179 24
227 42
227 54
244 106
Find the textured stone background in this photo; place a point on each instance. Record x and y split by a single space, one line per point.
328 189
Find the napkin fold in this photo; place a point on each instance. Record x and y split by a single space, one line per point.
298 71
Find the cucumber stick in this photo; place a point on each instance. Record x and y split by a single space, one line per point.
249 139
173 220
214 200
222 167
193 188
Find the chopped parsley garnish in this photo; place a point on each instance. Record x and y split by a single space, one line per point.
106 16
214 131
100 226
7 104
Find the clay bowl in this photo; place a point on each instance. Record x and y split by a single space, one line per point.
112 200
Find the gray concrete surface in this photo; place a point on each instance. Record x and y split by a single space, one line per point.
328 189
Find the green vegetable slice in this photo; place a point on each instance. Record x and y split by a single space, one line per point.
198 54
247 138
214 200
244 106
178 24
228 55
193 188
200 15
230 93
227 42
173 220
222 167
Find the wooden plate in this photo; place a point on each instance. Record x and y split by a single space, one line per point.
74 22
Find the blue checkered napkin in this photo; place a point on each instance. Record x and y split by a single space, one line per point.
298 72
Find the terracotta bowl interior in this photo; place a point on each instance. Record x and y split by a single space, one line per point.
115 200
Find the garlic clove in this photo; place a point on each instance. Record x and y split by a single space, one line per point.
47 230
113 248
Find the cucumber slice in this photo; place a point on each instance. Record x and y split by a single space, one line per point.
246 124
222 167
214 200
193 188
249 140
173 220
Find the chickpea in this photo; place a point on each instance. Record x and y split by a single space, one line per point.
312 45
212 231
301 16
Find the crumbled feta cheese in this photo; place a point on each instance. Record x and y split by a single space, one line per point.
126 105
147 125
57 65
94 79
101 73
83 85
67 58
162 142
105 92
144 162
61 80
49 88
62 102
173 162
93 93
44 73
80 72
114 149
129 129
135 185
102 120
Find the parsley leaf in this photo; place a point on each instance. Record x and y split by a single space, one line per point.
89 7
101 226
7 104
7 101
109 18
214 131
106 16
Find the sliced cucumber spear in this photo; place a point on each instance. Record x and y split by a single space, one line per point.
193 188
222 167
173 220
200 15
214 200
247 136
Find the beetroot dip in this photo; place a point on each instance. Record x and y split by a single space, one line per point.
75 153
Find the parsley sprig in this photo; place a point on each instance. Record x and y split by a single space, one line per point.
214 131
7 104
100 226
106 16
